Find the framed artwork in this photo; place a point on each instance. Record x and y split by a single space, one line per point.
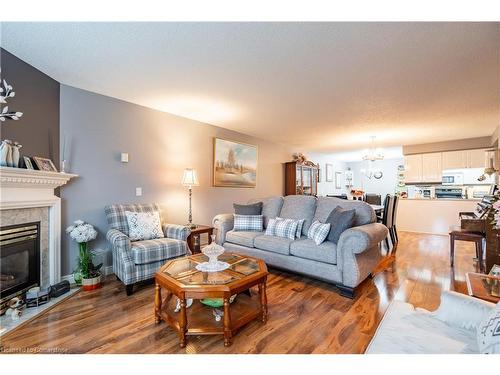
44 164
329 172
235 164
28 163
338 180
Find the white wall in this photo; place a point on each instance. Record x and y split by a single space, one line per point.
324 187
385 185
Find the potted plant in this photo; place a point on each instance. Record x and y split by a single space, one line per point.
86 274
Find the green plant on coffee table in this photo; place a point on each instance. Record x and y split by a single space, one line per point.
83 233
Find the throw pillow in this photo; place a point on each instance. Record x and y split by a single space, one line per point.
248 209
300 224
248 223
339 220
144 225
488 333
286 228
318 232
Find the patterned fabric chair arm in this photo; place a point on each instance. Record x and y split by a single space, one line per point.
118 240
222 223
176 232
359 239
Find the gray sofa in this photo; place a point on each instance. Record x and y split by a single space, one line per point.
345 264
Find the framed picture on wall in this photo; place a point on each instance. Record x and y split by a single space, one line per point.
338 180
44 164
329 172
235 164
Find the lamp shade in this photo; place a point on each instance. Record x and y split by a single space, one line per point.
190 177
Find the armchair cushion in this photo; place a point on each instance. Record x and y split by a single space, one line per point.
144 225
117 219
149 251
176 232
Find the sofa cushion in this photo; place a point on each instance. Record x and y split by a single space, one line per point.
404 330
299 207
271 207
247 223
340 220
488 333
144 225
248 209
318 232
155 250
115 214
274 244
242 238
307 249
364 213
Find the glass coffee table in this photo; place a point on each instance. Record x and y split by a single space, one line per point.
181 282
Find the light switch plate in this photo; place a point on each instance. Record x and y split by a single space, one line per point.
138 191
124 157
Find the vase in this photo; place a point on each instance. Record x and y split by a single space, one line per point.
91 283
5 153
15 154
213 251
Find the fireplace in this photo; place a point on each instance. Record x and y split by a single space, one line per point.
19 258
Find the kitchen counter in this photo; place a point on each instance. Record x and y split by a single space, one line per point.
434 216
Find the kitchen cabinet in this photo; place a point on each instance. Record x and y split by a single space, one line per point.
476 158
454 159
413 168
464 159
432 169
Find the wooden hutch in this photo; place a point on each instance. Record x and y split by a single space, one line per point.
301 178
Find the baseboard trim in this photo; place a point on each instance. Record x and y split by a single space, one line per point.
107 271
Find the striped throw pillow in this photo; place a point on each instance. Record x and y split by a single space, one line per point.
271 227
318 232
248 223
286 228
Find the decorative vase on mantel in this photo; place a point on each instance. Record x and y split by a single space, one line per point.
9 153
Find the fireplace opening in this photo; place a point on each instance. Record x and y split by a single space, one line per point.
19 258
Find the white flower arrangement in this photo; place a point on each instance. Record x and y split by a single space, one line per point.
81 232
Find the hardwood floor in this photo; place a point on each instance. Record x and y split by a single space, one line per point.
305 315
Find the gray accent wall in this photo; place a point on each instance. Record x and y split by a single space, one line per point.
37 96
160 146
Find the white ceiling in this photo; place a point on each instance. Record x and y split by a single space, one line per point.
320 87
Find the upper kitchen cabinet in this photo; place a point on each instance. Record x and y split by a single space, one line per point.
454 159
464 159
476 158
413 168
432 167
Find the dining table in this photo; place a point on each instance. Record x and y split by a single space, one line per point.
379 209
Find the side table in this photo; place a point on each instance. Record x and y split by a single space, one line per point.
194 239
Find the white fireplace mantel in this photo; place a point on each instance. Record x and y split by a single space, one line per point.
24 188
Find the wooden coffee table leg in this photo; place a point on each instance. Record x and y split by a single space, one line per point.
227 323
263 301
157 303
183 323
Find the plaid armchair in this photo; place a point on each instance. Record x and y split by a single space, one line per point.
135 261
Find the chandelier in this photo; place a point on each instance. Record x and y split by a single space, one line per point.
372 152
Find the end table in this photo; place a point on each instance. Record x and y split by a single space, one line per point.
194 240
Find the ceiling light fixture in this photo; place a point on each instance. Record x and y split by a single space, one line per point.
372 154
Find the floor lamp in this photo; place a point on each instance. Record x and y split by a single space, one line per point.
190 179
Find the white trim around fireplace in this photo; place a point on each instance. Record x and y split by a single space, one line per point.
24 188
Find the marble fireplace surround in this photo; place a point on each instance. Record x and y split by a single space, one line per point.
29 195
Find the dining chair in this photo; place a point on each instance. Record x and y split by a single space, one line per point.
373 199
387 218
394 214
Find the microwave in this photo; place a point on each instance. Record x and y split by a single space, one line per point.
453 179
